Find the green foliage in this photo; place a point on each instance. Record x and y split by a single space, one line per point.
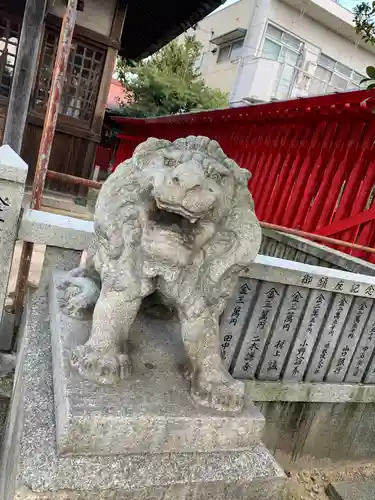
370 72
168 82
364 17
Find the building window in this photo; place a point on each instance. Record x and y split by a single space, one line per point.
281 46
9 37
230 52
82 78
286 49
332 76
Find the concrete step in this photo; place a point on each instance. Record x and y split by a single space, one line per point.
352 490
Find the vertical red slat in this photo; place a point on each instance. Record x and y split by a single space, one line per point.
316 175
299 205
357 173
362 190
271 170
282 166
298 153
331 179
352 149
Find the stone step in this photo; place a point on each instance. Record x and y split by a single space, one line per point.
352 490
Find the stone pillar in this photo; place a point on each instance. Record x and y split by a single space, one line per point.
13 172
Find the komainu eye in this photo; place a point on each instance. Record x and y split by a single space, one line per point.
169 162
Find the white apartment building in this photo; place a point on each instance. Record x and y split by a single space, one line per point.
263 50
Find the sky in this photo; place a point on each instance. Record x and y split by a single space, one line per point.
348 4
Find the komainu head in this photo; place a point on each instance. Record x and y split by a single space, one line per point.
190 177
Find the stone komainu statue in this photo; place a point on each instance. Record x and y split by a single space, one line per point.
177 218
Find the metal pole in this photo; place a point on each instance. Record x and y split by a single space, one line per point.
57 85
72 179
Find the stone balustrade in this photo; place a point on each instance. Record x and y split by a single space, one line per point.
288 323
290 247
294 322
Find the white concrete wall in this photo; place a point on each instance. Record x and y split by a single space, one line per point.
97 16
226 19
322 25
256 79
317 36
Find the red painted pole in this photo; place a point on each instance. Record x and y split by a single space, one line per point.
57 85
72 179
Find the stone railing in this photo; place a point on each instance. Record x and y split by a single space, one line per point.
293 331
289 247
291 323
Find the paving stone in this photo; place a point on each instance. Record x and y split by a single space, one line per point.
355 490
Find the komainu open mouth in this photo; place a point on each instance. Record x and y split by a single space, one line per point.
179 211
173 216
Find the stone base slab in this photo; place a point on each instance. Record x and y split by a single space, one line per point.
151 411
352 490
33 470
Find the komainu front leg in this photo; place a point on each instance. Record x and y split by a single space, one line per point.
211 384
104 358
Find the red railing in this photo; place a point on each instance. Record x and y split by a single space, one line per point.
312 160
103 158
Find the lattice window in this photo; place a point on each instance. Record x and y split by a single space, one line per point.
81 82
9 37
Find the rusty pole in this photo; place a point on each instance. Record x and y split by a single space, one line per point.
57 85
72 179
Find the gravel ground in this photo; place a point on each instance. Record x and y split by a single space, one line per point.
310 484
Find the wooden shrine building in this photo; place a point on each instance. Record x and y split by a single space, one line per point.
29 36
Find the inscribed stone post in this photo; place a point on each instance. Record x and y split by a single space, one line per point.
262 317
310 326
355 323
283 332
363 353
234 318
326 345
370 369
13 172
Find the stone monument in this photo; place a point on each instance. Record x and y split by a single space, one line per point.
145 408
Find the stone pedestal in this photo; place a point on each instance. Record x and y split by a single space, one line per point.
143 439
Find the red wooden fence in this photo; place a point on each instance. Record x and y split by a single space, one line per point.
103 158
312 160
